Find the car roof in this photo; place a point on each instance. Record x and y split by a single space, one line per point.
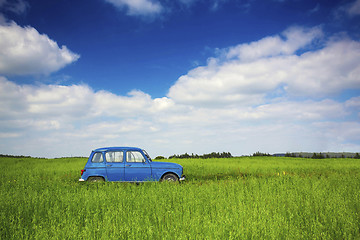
116 149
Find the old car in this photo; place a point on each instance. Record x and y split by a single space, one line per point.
128 164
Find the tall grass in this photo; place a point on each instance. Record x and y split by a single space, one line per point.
237 198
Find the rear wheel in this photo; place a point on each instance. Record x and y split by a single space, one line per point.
96 179
169 177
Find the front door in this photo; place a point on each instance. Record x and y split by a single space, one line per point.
137 168
115 165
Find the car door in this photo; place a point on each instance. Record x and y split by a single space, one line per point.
115 165
137 167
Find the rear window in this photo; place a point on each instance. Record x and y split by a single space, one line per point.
97 158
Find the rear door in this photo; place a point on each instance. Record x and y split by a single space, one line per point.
137 167
115 165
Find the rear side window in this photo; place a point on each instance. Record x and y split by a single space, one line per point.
114 156
134 156
97 158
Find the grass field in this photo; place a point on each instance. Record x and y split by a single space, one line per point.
236 198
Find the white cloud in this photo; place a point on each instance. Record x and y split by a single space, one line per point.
24 51
290 41
12 99
57 100
308 110
353 103
55 120
138 7
327 71
68 115
250 72
66 104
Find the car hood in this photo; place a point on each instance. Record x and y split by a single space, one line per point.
165 165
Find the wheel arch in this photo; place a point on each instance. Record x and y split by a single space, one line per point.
168 173
96 176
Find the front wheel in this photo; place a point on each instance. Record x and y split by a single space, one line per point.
169 177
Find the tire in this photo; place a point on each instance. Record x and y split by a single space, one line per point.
169 177
96 179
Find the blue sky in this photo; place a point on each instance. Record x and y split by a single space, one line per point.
179 76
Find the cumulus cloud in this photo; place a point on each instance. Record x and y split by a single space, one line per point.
74 102
327 71
74 119
24 51
287 43
138 7
76 113
250 72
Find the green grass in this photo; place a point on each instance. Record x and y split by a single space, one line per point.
237 198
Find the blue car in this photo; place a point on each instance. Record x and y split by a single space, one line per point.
128 164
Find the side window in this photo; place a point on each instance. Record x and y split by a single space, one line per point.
97 158
114 156
134 156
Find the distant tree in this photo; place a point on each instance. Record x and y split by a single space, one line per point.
317 156
173 156
159 158
357 156
259 154
14 156
204 156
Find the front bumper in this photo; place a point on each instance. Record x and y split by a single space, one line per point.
182 178
81 180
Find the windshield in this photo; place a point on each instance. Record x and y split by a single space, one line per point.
147 155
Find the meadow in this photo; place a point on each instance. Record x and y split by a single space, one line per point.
234 198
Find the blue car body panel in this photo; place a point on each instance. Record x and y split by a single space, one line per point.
127 164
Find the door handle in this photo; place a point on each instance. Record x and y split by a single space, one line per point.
128 165
108 165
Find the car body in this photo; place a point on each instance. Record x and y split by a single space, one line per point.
128 164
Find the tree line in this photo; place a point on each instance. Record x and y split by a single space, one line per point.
309 155
204 156
13 156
